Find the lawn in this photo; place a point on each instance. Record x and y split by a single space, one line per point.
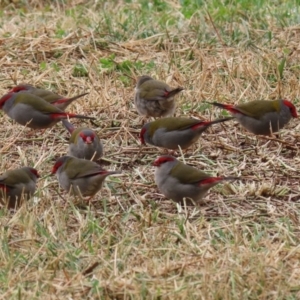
131 242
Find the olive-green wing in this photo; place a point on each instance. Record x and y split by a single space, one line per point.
173 123
12 177
46 95
151 89
36 102
74 135
79 169
257 109
187 174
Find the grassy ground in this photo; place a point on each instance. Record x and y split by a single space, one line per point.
132 243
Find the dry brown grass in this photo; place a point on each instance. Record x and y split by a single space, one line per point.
132 242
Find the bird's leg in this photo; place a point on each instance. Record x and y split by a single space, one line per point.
169 152
175 153
33 132
144 120
43 131
256 145
90 198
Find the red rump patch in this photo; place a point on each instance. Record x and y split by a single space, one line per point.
200 124
60 115
230 108
142 135
60 101
210 180
71 115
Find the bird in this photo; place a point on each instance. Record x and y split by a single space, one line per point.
57 100
172 132
17 185
84 142
32 111
178 181
80 177
154 98
262 117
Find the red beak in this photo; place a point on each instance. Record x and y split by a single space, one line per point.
88 140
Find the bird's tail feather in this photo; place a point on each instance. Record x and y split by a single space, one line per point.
68 125
174 92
